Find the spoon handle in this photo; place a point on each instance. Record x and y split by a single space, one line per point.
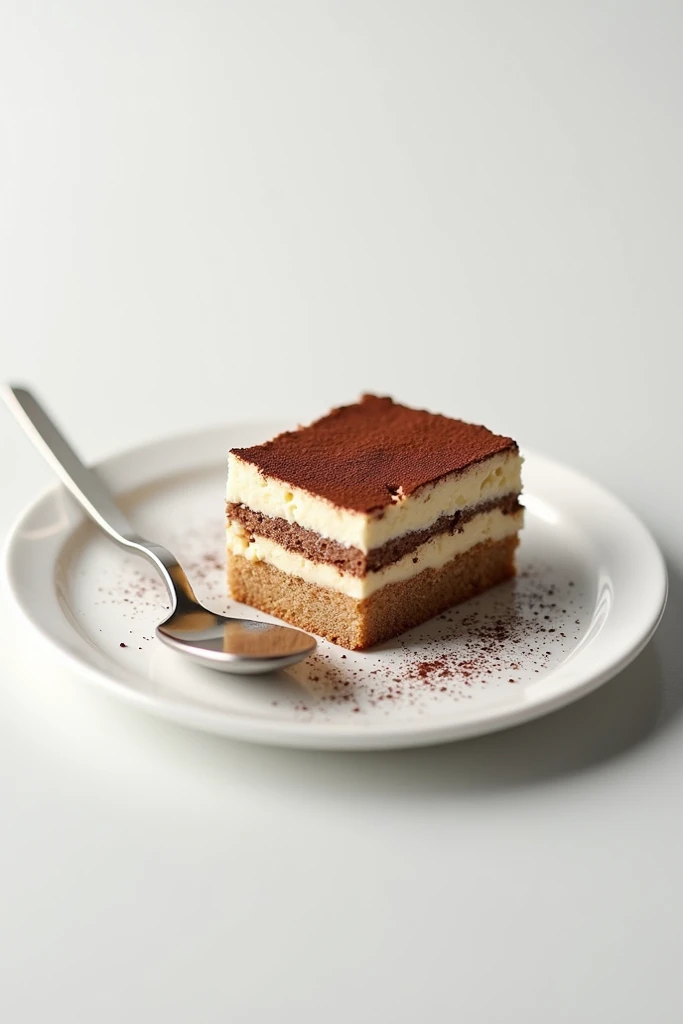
92 494
84 483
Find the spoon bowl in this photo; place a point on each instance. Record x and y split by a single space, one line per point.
222 643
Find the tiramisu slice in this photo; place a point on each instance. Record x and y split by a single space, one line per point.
371 520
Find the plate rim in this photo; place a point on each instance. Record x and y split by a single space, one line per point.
321 736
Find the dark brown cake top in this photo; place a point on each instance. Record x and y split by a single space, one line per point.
363 456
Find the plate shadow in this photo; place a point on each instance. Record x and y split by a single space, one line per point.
630 710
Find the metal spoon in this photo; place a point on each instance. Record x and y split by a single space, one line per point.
226 644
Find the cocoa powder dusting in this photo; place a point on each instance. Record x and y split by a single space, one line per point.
362 456
513 633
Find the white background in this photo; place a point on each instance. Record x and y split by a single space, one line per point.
212 211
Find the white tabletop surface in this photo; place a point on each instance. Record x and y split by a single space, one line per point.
212 211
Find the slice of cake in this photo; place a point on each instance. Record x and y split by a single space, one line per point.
371 520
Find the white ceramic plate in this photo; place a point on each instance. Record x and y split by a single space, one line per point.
591 591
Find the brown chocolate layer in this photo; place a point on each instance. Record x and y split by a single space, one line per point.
361 456
351 560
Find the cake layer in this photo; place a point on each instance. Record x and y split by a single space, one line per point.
495 477
351 560
493 525
399 606
361 456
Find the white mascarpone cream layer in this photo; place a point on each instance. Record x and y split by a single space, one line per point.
493 478
433 554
